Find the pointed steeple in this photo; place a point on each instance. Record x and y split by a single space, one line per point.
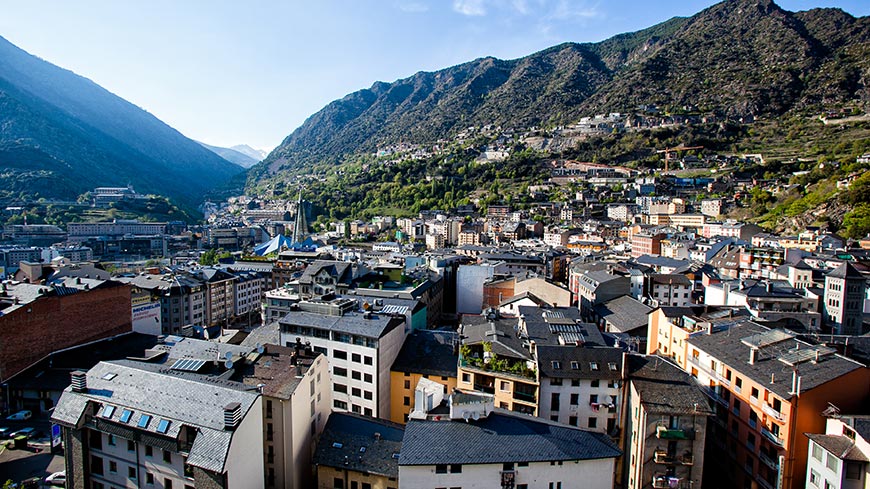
300 228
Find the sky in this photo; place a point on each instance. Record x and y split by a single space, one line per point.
228 72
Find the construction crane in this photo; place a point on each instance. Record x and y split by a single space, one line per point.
671 153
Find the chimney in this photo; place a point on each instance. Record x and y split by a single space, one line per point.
377 436
232 416
816 360
772 378
79 381
709 328
752 354
768 287
794 382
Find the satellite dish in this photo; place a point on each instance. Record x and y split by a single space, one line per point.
260 349
228 355
228 364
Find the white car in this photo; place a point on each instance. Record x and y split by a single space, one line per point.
56 479
20 416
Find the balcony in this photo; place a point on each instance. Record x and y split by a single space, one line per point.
665 433
766 460
773 438
773 413
508 479
525 397
662 457
661 481
763 483
712 394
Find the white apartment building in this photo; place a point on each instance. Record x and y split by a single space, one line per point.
580 386
360 347
840 458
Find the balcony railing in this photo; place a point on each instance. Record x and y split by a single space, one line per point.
763 483
662 457
773 438
773 413
766 460
660 481
525 397
712 394
711 372
665 433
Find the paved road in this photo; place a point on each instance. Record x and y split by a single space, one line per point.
34 461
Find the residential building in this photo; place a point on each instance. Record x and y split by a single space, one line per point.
478 446
426 354
769 301
220 288
356 452
844 300
665 426
249 290
839 458
646 244
361 348
580 386
128 424
624 315
593 287
671 289
669 328
711 207
279 302
769 388
182 299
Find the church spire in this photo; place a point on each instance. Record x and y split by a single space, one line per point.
300 228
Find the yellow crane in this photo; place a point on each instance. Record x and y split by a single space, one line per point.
671 153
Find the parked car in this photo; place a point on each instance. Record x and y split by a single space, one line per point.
5 432
20 416
56 479
28 432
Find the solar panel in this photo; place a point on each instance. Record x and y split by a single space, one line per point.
767 338
795 357
188 365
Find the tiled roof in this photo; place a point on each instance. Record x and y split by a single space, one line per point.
428 352
344 437
624 313
178 397
840 446
846 270
726 346
498 438
577 362
664 388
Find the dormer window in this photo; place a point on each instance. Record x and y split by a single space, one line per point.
556 365
593 366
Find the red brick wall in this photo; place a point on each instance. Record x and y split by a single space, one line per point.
53 323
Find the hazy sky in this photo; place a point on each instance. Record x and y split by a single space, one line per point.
227 71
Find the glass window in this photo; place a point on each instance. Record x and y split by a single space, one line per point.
144 420
125 415
832 462
108 411
817 452
163 426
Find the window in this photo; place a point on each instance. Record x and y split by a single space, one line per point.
131 446
593 399
167 483
832 462
355 357
367 378
366 485
814 478
367 395
131 472
339 371
507 466
555 381
455 468
611 366
125 415
111 439
341 355
167 456
554 401
407 384
594 383
108 411
575 399
441 469
149 478
339 404
149 451
593 422
356 375
556 365
738 384
144 420
338 483
356 392
341 388
817 452
163 426
593 366
406 401
113 466
572 420
505 386
853 470
754 393
367 360
466 378
96 465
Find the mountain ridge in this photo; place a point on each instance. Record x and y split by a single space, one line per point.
736 58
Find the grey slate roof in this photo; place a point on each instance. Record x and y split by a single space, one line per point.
726 347
624 313
428 352
840 446
353 432
664 388
179 397
567 357
501 333
845 270
544 325
352 323
498 438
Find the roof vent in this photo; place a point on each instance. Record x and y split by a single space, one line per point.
377 436
232 415
79 381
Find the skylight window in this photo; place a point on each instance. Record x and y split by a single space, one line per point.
163 426
575 366
125 415
144 420
396 455
612 366
337 445
556 365
593 365
108 411
362 449
109 376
